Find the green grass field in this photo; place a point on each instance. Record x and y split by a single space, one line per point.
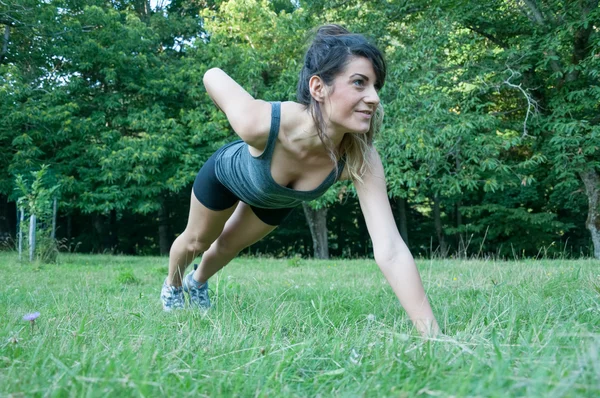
299 328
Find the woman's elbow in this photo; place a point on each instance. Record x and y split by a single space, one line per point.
211 72
385 258
392 255
210 76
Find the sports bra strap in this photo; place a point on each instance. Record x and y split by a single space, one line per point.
274 131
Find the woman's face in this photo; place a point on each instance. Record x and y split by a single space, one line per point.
352 99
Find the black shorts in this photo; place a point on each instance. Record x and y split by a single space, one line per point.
215 196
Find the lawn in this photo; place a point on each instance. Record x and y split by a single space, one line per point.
290 327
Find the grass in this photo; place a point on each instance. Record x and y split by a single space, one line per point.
299 328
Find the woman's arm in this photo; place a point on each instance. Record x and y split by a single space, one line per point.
250 118
391 253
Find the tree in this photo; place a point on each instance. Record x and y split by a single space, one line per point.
549 53
442 138
491 131
139 93
27 29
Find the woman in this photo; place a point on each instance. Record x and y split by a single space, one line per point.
292 152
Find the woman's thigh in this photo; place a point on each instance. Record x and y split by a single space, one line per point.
242 230
205 225
211 206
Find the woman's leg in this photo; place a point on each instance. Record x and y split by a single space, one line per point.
203 227
241 230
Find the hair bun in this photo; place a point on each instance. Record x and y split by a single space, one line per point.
332 30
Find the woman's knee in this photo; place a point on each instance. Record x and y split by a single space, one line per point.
228 246
195 243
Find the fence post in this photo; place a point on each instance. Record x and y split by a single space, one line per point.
21 219
31 237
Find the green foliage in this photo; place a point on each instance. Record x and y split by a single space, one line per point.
478 105
484 103
36 199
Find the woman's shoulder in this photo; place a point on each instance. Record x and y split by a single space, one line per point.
293 110
294 117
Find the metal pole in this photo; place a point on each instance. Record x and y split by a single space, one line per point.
31 237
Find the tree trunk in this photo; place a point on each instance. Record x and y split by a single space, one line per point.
5 44
105 227
163 229
438 226
7 219
98 225
591 180
142 8
403 220
113 234
462 249
317 222
69 227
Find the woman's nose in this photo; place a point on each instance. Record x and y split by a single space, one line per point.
372 97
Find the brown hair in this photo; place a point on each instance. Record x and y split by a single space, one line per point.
330 51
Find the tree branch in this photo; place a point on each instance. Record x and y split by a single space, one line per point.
531 103
14 21
537 14
580 41
539 19
488 36
452 151
7 18
5 43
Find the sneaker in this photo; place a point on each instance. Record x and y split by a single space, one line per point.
198 291
172 297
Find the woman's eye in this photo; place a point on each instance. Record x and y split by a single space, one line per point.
358 82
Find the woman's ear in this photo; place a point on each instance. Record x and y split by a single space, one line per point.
317 88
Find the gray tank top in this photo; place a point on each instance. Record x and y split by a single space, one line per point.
249 177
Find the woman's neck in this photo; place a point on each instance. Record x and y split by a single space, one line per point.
303 133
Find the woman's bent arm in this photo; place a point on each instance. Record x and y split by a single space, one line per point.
249 118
